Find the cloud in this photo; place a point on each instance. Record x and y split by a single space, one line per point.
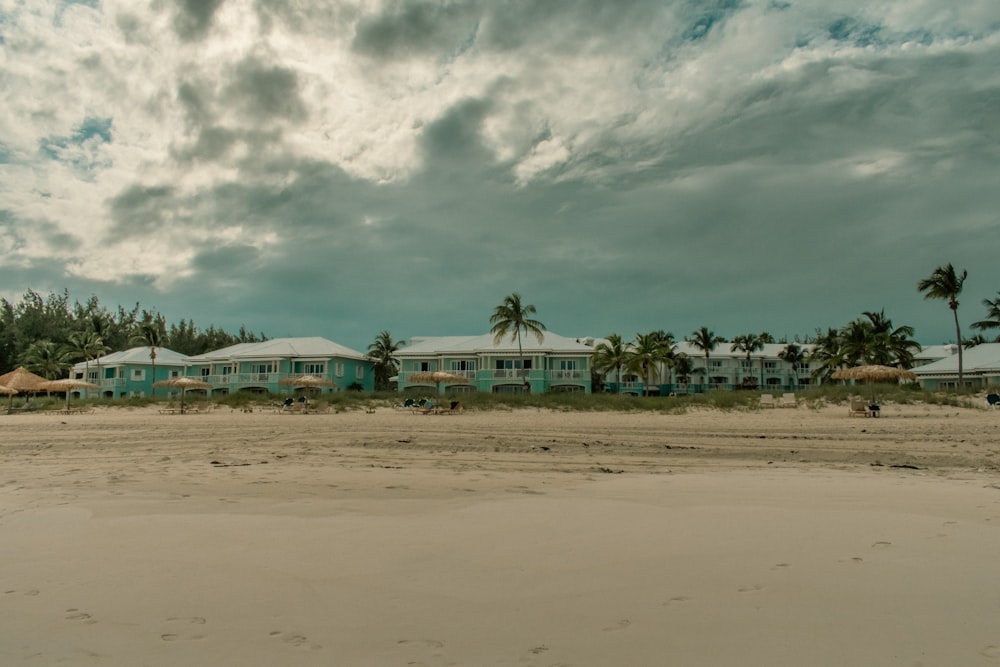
309 168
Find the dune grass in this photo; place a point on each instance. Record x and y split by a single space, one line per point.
886 394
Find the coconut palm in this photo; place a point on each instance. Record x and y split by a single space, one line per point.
828 352
382 354
609 355
748 343
992 320
792 354
88 345
47 359
512 317
149 334
946 283
683 366
705 340
890 346
648 352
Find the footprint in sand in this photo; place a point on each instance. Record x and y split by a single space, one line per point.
750 589
881 545
676 600
620 625
74 614
292 639
992 651
183 620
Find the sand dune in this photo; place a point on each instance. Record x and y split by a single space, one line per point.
785 537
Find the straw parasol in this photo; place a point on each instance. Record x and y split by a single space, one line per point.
306 382
183 383
874 373
21 380
437 377
68 385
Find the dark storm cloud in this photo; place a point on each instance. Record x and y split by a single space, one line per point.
406 29
193 18
263 92
140 209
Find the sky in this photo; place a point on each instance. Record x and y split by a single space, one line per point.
335 169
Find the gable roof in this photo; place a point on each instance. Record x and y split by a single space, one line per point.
313 347
433 345
136 355
978 359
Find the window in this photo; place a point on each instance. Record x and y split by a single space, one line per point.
205 372
359 373
463 365
226 370
715 364
175 374
508 364
340 369
138 374
771 364
266 367
422 366
744 363
314 369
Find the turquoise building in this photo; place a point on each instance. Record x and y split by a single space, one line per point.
131 372
554 364
261 367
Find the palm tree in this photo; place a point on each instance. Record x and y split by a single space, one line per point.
992 320
793 354
705 340
149 334
512 317
47 359
748 343
88 345
382 354
890 346
611 355
647 353
946 283
683 367
829 353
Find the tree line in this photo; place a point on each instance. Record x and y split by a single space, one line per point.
49 334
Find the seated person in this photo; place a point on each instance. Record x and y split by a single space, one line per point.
428 405
456 406
288 402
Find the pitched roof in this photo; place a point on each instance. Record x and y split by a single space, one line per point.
431 345
978 359
136 355
280 348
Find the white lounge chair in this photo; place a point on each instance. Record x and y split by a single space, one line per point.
788 400
767 401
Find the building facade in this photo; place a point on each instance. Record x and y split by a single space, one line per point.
554 364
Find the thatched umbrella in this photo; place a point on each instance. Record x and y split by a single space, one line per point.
306 382
437 377
21 380
874 373
68 385
183 383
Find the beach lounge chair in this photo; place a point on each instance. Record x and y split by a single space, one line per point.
993 400
788 400
858 408
767 401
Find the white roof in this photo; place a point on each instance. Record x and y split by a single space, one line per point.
280 348
551 344
985 357
136 355
722 351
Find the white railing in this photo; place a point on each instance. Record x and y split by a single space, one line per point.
568 374
504 373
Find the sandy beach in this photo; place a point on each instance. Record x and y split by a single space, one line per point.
781 537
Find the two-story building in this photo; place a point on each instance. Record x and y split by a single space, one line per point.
261 367
554 364
131 372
